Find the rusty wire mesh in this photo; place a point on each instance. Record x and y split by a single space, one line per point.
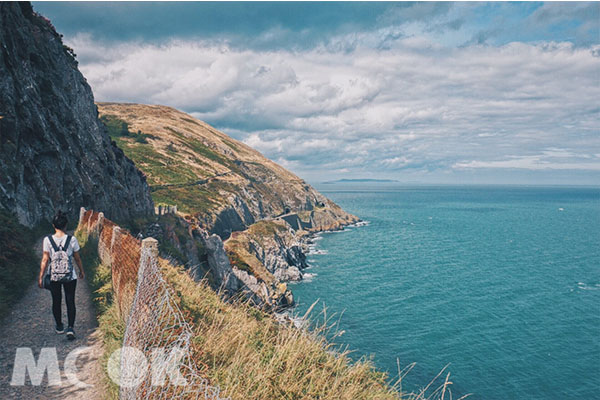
125 251
153 319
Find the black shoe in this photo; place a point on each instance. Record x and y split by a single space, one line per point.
70 333
60 328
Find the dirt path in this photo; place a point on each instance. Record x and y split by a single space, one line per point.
30 324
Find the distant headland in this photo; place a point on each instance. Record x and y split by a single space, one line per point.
360 180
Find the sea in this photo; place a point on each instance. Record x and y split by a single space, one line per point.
497 285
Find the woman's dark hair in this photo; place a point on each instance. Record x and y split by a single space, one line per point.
60 220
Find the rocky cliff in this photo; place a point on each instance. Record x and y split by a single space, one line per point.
276 247
54 152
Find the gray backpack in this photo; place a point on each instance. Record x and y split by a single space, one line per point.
61 265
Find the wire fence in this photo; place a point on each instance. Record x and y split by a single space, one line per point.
156 328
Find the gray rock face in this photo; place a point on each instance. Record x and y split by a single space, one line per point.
219 262
54 152
232 279
255 290
288 274
281 253
282 261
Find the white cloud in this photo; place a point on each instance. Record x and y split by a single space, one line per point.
362 109
395 161
535 162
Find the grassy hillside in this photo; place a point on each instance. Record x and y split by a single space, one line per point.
171 178
192 165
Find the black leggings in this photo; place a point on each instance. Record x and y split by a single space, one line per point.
69 299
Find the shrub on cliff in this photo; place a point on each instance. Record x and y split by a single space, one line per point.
115 126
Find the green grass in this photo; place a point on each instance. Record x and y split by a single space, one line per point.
176 133
118 128
115 126
237 261
167 248
18 264
162 169
232 145
189 199
200 149
172 168
159 168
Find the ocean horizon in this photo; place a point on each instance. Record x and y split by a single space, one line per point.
498 283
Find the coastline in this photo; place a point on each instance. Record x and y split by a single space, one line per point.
308 245
308 240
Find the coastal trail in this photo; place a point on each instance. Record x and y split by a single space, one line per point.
31 324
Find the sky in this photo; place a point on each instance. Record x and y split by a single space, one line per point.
473 93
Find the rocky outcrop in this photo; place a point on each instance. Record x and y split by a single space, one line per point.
264 292
265 256
219 262
54 152
277 247
206 257
331 218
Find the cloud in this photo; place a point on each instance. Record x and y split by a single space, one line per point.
240 24
559 13
575 22
415 106
301 26
416 90
536 162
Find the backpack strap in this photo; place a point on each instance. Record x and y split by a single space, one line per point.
54 246
65 246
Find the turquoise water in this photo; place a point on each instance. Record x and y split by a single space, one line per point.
502 283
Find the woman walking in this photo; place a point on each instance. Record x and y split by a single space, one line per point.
59 251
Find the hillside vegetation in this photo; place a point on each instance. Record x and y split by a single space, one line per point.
222 186
251 356
222 183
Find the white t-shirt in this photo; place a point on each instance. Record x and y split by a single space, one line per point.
73 247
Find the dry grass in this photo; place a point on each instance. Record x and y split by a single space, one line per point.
252 356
